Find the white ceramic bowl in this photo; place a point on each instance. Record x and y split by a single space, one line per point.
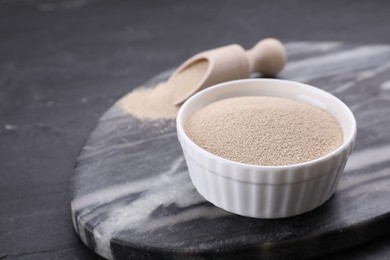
266 191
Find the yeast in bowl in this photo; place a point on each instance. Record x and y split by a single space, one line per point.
266 191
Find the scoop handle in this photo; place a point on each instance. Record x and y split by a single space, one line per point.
268 57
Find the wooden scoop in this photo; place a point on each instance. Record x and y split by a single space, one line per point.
226 63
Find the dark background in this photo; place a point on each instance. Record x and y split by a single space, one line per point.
63 63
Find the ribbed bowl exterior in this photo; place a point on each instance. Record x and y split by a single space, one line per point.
264 191
276 199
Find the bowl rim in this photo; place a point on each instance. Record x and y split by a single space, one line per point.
346 143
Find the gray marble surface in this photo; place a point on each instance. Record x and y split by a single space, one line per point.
132 196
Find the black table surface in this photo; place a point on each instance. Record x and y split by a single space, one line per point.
64 62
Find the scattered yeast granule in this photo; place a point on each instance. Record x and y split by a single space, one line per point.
267 131
150 103
157 102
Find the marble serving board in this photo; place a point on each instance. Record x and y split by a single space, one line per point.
132 197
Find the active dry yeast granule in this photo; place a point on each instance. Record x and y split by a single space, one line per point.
266 131
157 102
